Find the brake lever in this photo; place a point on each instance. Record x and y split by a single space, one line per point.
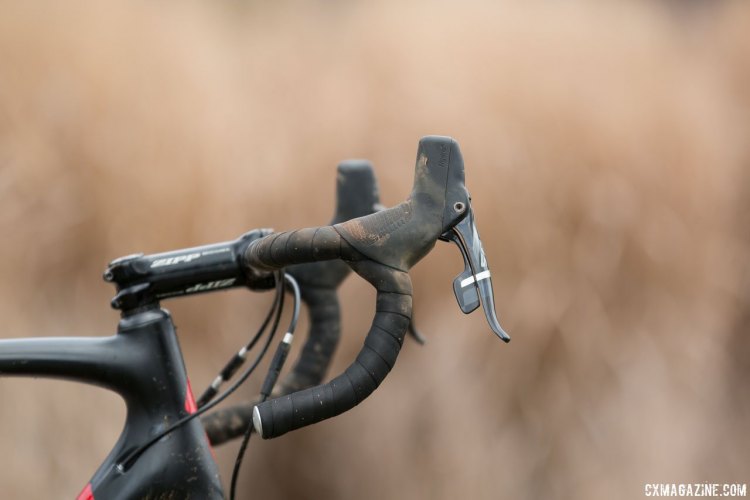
473 287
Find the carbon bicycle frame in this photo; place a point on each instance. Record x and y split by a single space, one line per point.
143 363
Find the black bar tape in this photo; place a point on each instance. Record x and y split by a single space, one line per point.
325 330
393 312
323 306
380 247
295 247
290 412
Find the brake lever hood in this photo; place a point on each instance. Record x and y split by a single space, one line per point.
439 207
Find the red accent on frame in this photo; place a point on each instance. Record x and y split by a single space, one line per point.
191 408
190 405
86 494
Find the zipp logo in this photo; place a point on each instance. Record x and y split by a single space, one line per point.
211 285
170 261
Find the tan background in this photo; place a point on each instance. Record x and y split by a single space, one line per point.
607 152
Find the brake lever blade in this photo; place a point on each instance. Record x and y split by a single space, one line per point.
473 287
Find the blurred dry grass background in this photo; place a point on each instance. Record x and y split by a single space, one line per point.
607 153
